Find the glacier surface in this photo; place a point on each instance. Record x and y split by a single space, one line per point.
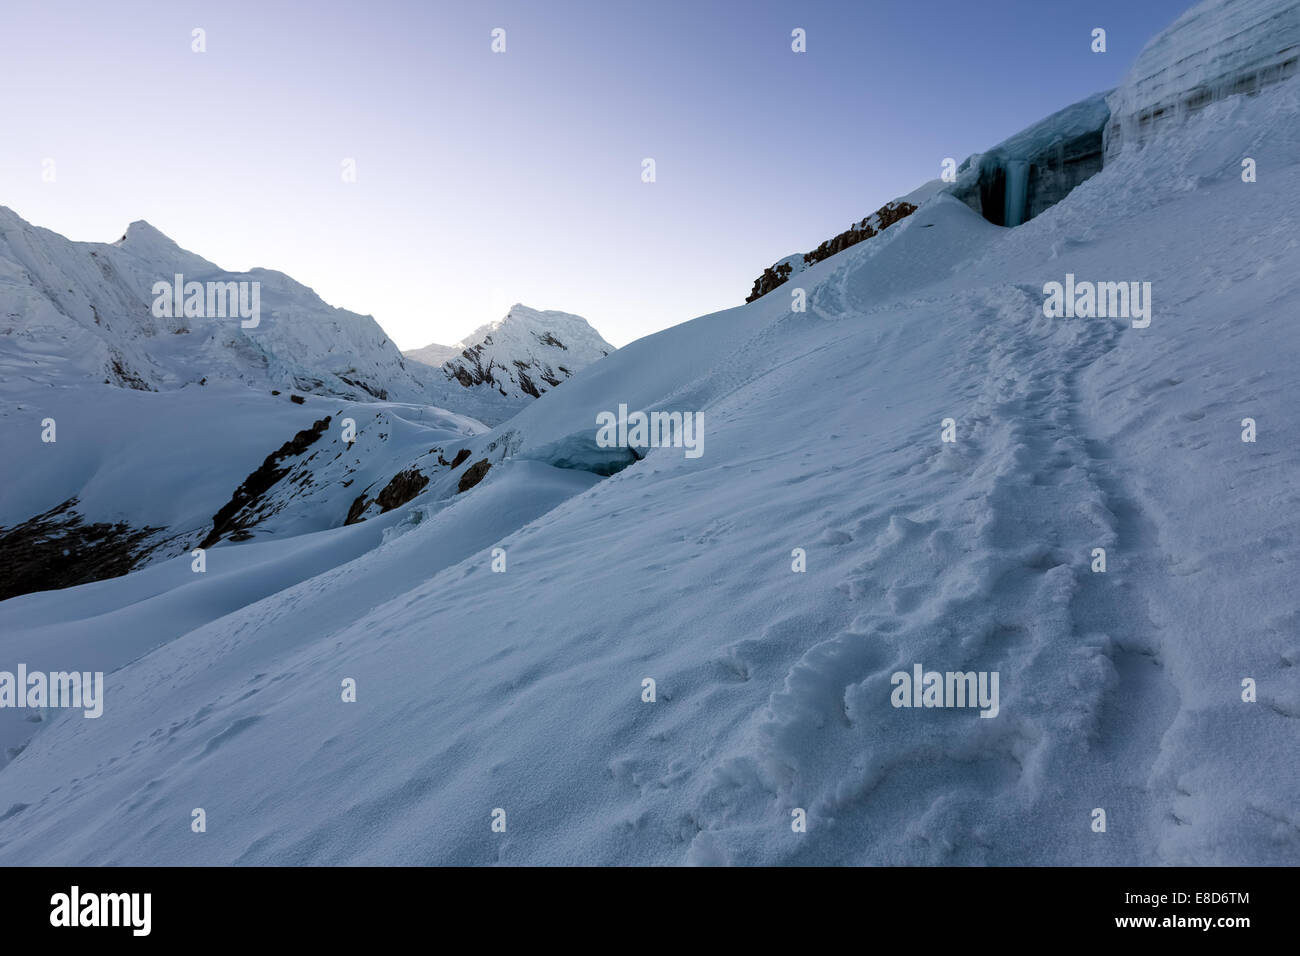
522 690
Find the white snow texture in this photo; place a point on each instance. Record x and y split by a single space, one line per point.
523 690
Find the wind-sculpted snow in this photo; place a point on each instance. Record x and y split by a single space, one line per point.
523 689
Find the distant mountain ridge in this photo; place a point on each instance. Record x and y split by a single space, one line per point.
520 356
86 311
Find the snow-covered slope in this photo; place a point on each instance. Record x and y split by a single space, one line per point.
523 690
513 360
865 229
785 269
158 419
135 477
85 312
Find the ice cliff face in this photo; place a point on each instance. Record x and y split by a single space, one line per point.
1008 185
1034 170
1218 48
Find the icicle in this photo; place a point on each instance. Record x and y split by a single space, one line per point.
1017 192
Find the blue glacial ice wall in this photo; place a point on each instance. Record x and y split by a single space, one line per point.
1035 169
1218 48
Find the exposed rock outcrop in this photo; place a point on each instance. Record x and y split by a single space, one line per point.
58 549
455 462
473 475
239 512
520 357
780 272
359 505
404 486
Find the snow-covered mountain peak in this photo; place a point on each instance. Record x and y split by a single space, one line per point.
525 328
141 235
520 356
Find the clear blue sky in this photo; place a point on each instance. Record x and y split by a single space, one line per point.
484 179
